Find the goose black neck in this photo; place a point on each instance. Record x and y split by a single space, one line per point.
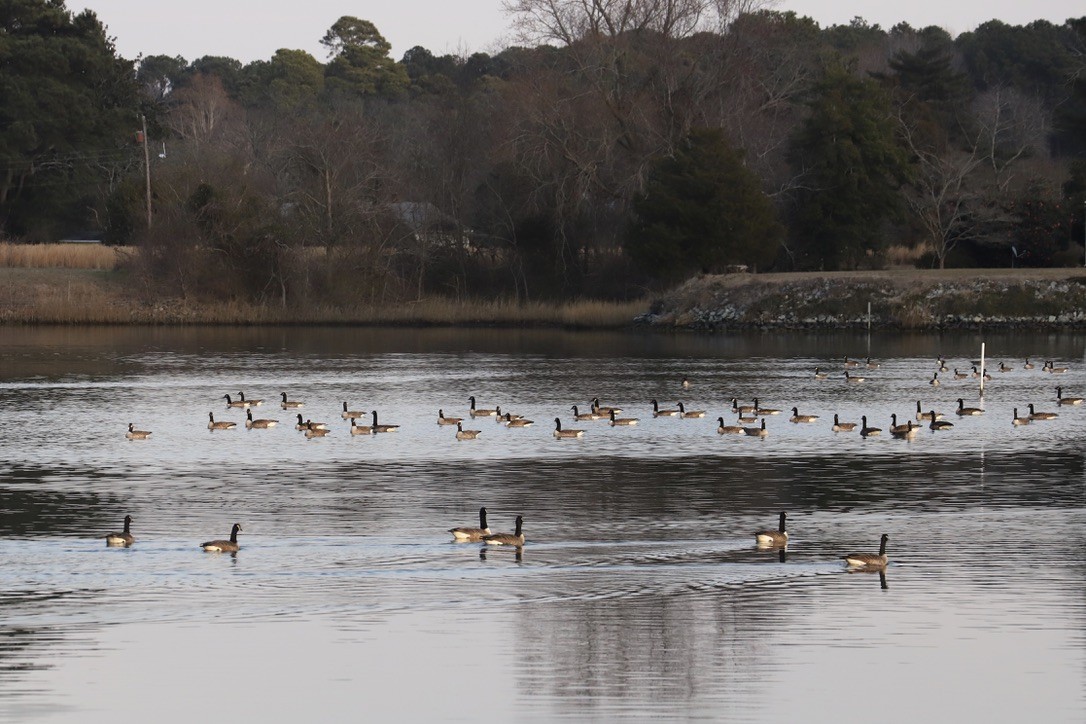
127 523
520 521
783 516
374 413
558 424
234 533
482 518
882 544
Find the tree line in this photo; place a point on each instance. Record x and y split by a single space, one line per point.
623 147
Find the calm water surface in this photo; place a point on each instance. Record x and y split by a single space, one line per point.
639 593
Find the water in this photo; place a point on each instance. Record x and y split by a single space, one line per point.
639 593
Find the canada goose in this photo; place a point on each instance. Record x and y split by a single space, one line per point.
313 432
777 537
796 417
250 423
382 428
604 411
1028 365
934 381
869 560
759 410
921 415
657 412
853 379
134 434
723 429
124 538
963 410
756 431
235 403
1033 415
507 539
839 426
939 424
626 420
1018 421
212 425
442 420
348 414
357 429
894 427
250 403
747 418
1049 367
960 375
685 384
462 434
868 431
736 407
511 421
480 413
851 362
577 415
872 365
942 363
500 416
224 546
309 424
1005 368
290 404
560 433
1060 399
984 373
906 431
466 534
683 412
819 374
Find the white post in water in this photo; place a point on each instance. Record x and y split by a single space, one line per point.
869 316
982 369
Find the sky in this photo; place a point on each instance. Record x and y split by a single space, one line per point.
254 29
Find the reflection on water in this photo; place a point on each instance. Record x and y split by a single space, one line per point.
640 591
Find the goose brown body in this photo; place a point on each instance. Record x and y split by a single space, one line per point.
224 546
124 538
515 538
777 537
466 534
134 434
869 560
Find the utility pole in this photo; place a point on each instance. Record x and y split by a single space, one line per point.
146 168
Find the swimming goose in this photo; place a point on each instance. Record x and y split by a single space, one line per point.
921 415
577 415
462 434
756 431
124 538
1005 368
934 381
906 431
963 410
777 537
466 534
657 412
382 428
872 365
747 418
723 429
853 379
894 427
685 384
212 425
796 417
736 407
1049 367
759 410
839 426
507 539
1028 365
940 424
942 364
313 432
235 403
560 433
250 403
348 414
262 424
499 415
511 421
442 420
975 373
960 375
1060 399
1040 415
626 420
819 374
134 434
683 412
984 373
869 560
851 362
309 424
866 431
480 413
604 411
1018 421
290 404
224 546
357 429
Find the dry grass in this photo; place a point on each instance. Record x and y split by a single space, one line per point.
61 256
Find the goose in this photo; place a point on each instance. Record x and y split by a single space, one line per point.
747 418
975 373
442 420
839 426
777 537
736 407
796 417
868 431
934 381
960 375
657 412
235 403
578 415
1028 365
906 431
1005 368
313 432
382 428
942 364
896 428
984 373
250 403
1019 421
134 434
125 537
723 429
921 415
224 546
357 429
1049 367
819 374
467 535
348 414
462 434
1060 399
940 424
499 415
853 379
869 560
560 433
480 413
851 362
683 412
759 410
511 421
871 365
290 404
212 425
963 410
507 539
756 431
615 421
1033 415
685 384
262 424
604 411
309 424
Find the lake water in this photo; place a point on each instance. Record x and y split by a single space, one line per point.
639 592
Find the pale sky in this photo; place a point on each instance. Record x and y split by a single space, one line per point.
254 29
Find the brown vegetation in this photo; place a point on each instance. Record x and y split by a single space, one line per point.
62 256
